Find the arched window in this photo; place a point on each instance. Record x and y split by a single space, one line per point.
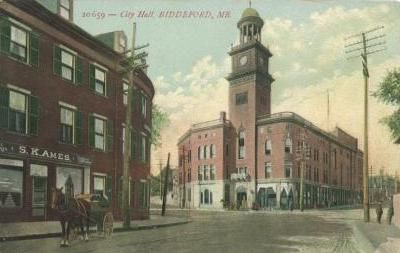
201 198
212 151
241 141
207 151
206 197
199 153
204 151
288 145
268 147
211 198
205 173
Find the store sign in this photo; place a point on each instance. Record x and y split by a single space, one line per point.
35 152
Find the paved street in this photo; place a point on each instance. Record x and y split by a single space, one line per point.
313 231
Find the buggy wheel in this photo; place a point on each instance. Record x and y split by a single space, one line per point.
108 224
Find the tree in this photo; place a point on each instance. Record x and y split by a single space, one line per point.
160 120
389 93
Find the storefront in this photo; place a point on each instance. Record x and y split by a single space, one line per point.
28 173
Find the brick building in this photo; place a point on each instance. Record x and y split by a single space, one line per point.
254 156
62 112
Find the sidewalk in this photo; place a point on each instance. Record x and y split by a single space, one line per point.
36 230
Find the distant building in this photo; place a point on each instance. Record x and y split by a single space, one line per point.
253 158
62 113
382 187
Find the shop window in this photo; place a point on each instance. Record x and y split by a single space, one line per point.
11 187
75 174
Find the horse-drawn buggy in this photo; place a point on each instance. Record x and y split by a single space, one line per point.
75 212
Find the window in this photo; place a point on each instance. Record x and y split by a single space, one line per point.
67 125
144 149
288 169
201 198
212 172
11 187
268 147
99 185
205 152
67 64
125 87
70 125
98 80
242 150
212 151
199 153
65 9
268 170
19 111
100 132
206 197
189 175
211 198
143 195
288 145
241 98
143 105
205 172
122 43
17 41
200 173
73 175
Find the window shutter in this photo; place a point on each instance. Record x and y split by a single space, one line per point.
5 36
108 189
91 130
34 49
109 141
57 60
79 70
92 78
4 103
78 127
33 115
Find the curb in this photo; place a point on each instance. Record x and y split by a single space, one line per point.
363 243
116 230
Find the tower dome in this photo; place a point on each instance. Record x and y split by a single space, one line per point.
250 25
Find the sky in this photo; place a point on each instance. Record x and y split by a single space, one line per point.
188 61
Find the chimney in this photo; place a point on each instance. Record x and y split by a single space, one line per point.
222 116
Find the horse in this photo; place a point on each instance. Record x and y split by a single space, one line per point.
72 212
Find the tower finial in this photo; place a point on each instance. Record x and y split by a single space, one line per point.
250 3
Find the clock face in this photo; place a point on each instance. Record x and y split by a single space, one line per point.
243 60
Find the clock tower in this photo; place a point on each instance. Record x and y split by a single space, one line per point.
249 88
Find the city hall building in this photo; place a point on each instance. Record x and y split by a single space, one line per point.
255 157
62 113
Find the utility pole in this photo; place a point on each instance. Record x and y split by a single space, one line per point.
364 46
303 153
164 202
160 176
130 68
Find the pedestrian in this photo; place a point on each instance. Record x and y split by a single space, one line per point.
379 212
390 212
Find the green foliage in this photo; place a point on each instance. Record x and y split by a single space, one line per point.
389 89
389 93
160 120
